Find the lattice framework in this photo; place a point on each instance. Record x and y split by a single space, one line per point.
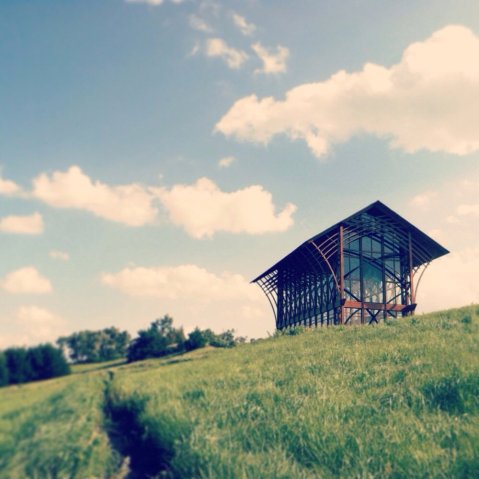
366 268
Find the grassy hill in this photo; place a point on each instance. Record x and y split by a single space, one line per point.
395 400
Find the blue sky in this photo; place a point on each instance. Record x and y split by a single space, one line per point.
157 155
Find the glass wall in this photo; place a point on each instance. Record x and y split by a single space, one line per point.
372 270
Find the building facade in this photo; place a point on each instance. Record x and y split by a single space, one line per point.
361 270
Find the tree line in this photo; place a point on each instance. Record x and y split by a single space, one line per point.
19 365
161 339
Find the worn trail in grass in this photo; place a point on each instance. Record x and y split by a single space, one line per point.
396 400
54 429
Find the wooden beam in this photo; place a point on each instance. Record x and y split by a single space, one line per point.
378 306
341 274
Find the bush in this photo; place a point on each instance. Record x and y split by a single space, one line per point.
294 331
3 370
291 331
225 339
199 339
160 339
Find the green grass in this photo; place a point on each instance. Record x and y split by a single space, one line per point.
55 429
89 367
395 400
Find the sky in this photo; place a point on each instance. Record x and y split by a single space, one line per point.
155 156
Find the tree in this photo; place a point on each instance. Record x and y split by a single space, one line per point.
18 365
39 362
95 346
199 339
160 339
3 370
113 344
46 361
225 340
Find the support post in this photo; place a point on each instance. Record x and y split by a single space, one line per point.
361 278
412 295
341 274
280 294
383 272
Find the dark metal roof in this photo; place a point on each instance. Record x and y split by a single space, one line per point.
428 249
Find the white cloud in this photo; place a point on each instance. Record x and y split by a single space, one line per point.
31 325
195 296
244 27
43 322
217 47
198 23
26 280
272 62
131 204
202 209
429 100
423 200
469 209
450 281
185 282
61 255
29 225
9 188
226 161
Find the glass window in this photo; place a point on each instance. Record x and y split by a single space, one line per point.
376 246
373 284
354 245
355 267
367 245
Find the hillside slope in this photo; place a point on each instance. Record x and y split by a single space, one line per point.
395 400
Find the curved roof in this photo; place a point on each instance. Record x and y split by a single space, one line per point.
369 220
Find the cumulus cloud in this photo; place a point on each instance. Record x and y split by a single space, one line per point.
195 297
31 325
26 280
429 100
244 27
28 225
450 218
217 47
9 188
61 255
451 281
185 282
202 209
226 161
46 324
273 62
130 204
424 200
